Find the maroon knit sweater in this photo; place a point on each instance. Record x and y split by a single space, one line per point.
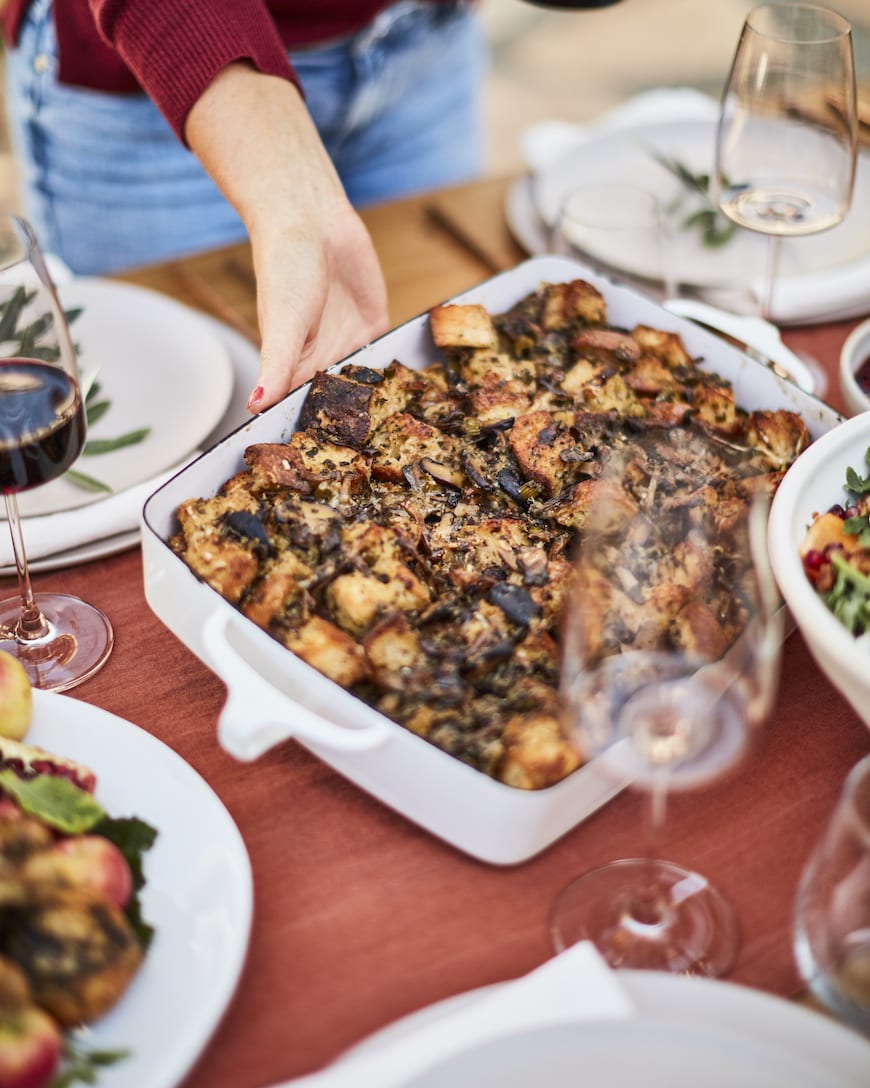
172 50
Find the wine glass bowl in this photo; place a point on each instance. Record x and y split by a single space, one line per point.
59 639
787 132
670 653
614 227
832 913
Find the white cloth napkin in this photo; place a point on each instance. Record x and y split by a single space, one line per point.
575 985
49 534
838 293
546 142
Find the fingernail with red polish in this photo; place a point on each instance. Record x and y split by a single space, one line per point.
256 396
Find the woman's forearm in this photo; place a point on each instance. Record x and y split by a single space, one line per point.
320 292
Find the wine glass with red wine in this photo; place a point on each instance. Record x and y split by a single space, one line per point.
60 640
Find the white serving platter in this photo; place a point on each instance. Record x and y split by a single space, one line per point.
198 894
273 695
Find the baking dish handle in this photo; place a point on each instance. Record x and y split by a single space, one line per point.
256 715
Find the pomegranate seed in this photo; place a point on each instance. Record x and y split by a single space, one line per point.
814 559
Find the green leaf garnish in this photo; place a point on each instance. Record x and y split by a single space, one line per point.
133 837
87 483
99 446
715 228
82 1066
859 526
96 409
55 801
12 311
849 599
859 485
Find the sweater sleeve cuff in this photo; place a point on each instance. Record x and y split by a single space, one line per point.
176 50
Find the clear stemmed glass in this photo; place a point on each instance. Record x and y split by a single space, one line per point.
60 640
832 913
787 133
619 230
671 647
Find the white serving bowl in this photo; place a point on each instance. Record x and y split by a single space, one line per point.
813 484
855 351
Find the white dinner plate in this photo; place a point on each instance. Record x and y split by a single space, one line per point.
629 155
685 1032
198 893
161 366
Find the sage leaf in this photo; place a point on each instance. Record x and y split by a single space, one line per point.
95 410
99 446
87 483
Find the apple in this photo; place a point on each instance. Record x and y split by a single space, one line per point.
89 862
16 697
30 1047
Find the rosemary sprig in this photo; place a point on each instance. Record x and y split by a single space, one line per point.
716 229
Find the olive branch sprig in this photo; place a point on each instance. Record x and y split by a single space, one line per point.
24 342
716 229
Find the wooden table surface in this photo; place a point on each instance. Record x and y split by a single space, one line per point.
361 917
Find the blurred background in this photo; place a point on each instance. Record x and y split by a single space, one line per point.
574 66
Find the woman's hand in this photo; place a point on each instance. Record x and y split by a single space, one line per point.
320 290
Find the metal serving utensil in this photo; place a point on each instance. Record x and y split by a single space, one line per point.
761 337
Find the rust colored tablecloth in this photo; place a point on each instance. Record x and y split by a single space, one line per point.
360 916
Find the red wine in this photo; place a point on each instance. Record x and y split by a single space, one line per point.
42 423
862 376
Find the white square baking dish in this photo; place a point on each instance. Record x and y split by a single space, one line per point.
273 695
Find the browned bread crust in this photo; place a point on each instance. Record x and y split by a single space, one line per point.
414 541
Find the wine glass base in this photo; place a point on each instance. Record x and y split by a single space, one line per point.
76 645
651 915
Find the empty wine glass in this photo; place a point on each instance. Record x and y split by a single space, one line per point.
60 640
787 133
832 915
671 646
618 229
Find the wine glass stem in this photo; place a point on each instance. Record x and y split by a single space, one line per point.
647 907
770 270
31 622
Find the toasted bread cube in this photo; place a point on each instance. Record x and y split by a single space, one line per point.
467 326
279 587
778 437
393 648
543 450
339 409
666 346
330 650
402 439
572 303
305 463
537 754
228 565
358 599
